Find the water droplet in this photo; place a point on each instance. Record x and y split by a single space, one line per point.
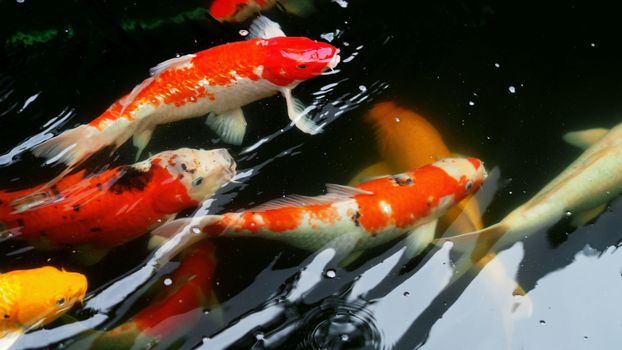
259 336
397 119
512 89
243 32
543 322
362 88
206 312
568 213
585 337
497 65
471 103
196 230
344 337
591 44
406 294
331 273
168 281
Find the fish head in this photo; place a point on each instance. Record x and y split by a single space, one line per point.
39 296
291 60
235 10
201 172
467 175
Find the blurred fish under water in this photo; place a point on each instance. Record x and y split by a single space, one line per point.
489 86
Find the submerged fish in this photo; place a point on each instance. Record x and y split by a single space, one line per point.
217 81
33 298
583 189
181 302
350 218
241 10
407 140
118 204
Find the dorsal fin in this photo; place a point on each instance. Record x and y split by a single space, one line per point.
334 193
175 61
129 98
584 139
264 28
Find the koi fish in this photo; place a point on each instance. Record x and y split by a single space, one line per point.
181 302
405 141
583 189
215 82
349 218
33 298
118 204
241 10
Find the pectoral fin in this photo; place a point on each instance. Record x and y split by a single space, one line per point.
230 126
583 218
297 114
586 138
418 239
141 140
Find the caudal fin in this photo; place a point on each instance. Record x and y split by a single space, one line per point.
72 146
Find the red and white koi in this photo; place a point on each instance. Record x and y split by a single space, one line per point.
118 204
349 218
241 10
216 82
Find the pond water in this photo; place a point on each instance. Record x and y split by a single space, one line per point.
500 82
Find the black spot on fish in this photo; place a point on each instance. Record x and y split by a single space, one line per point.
403 181
20 222
76 207
96 229
132 179
355 218
7 316
99 186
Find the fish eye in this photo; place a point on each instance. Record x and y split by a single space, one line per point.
184 167
301 66
7 316
61 301
468 185
197 181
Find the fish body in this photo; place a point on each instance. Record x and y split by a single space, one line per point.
406 140
215 82
590 182
240 10
181 302
33 298
362 216
118 204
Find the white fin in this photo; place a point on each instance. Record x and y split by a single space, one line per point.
586 138
173 62
230 126
8 340
169 229
72 146
141 140
296 113
264 28
418 239
334 193
477 242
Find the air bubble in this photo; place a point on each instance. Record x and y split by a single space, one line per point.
512 89
168 281
196 230
543 322
471 103
243 32
331 273
406 294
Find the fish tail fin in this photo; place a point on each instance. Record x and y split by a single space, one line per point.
162 234
73 146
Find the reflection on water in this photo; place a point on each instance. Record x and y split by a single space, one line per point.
501 82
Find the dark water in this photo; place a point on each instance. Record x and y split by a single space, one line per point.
501 81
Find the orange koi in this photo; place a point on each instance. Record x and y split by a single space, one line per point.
118 204
33 298
216 82
407 140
